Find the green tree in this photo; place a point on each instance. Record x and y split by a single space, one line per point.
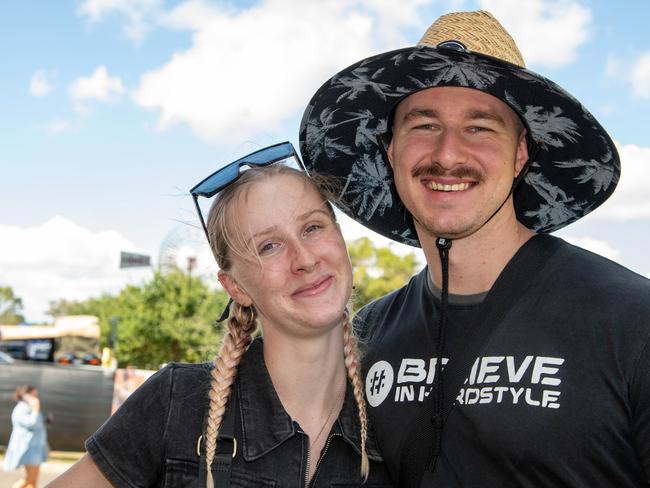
378 270
11 307
170 318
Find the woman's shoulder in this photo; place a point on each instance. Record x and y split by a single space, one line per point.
21 409
21 405
174 382
186 371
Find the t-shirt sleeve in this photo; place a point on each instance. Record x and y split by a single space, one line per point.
640 405
128 449
364 322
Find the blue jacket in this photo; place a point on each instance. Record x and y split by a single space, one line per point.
28 441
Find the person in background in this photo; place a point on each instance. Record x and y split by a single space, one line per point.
28 441
284 409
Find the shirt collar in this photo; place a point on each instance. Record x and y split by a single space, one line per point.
264 421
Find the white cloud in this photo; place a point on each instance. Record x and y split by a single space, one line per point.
640 76
60 259
548 32
613 68
57 126
250 71
595 245
140 14
630 199
39 86
98 86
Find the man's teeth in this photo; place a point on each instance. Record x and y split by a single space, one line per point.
455 187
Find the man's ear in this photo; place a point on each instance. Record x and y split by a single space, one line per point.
389 153
522 153
236 292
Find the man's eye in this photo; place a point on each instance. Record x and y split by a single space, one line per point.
477 129
425 127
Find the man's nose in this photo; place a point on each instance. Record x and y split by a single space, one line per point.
447 150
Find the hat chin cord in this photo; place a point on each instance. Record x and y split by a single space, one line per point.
444 245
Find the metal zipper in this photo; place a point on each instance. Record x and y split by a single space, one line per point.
305 436
322 455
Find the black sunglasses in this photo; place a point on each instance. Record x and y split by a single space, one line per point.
228 174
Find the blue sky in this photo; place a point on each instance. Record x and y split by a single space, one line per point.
113 109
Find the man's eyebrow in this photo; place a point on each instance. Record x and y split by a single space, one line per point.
471 114
417 113
474 114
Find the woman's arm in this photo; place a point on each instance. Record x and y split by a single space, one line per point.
82 474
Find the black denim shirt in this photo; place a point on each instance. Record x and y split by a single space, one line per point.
151 441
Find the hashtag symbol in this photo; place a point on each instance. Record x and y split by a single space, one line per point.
377 382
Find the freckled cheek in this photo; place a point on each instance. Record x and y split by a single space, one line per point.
334 246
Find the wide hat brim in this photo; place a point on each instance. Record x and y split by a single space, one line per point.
574 168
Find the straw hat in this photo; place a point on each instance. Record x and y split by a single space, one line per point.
574 166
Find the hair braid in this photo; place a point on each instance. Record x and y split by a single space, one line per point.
353 366
241 325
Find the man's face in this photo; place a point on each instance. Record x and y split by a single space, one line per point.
454 154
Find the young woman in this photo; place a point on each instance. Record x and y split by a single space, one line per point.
28 442
283 410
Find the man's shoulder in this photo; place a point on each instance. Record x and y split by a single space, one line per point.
392 303
590 268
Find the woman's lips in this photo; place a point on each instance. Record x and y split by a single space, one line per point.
314 288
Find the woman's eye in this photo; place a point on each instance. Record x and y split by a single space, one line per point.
313 228
268 247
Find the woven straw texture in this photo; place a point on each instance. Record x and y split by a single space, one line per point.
478 31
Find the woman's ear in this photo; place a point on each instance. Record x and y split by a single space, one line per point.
236 292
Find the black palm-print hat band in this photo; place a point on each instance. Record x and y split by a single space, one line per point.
574 166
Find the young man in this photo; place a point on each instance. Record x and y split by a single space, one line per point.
454 146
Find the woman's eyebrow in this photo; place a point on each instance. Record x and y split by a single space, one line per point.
309 213
274 228
267 230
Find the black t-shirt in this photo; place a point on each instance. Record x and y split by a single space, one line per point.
560 395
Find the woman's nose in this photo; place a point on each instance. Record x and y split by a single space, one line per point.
304 257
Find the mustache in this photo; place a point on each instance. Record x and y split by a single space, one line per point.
435 170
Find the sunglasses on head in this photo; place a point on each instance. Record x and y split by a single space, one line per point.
230 173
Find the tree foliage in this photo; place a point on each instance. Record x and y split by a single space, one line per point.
11 307
378 270
170 318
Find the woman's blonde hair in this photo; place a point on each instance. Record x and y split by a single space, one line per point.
225 242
